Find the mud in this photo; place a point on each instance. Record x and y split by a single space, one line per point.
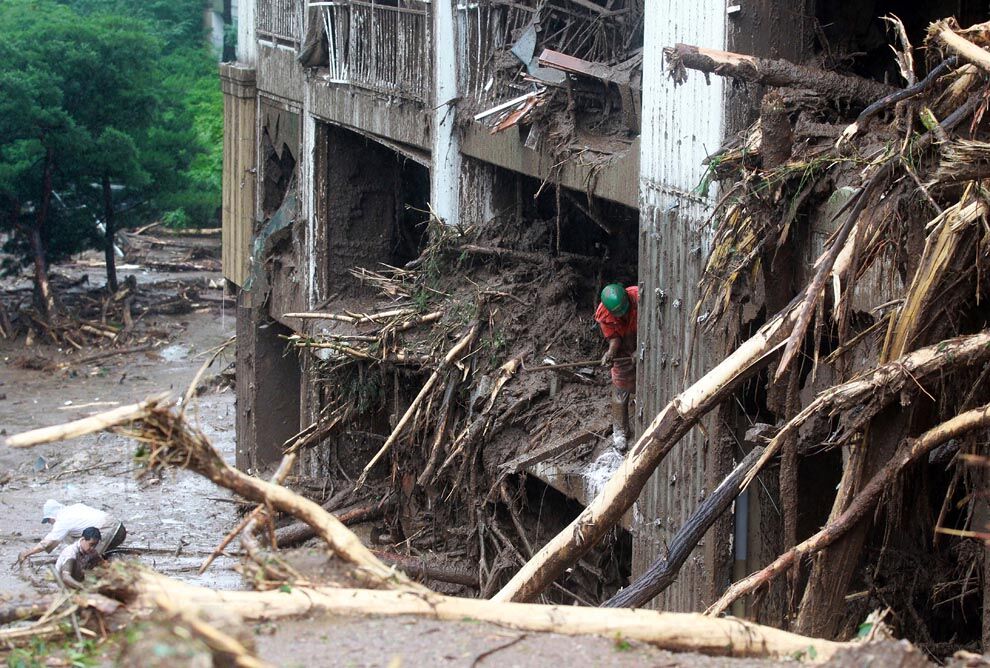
403 641
176 520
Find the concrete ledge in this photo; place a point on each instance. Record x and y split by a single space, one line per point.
238 80
617 181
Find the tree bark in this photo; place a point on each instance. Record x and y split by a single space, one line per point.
771 72
662 573
298 532
111 230
43 293
912 451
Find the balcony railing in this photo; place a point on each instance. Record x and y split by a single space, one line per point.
279 21
380 46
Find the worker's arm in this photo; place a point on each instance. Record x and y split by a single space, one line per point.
43 546
613 349
65 575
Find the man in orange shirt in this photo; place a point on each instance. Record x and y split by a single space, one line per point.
617 316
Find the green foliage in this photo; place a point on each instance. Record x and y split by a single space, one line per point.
105 90
82 654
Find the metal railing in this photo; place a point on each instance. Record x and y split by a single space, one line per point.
384 47
279 20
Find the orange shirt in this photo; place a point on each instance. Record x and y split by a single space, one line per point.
613 327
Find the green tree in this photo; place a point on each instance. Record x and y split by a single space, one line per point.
95 121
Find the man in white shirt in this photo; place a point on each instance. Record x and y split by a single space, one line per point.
68 524
78 557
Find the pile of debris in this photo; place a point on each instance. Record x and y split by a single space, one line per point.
192 621
88 316
570 71
851 237
474 361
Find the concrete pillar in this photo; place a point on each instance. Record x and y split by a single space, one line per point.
446 171
239 168
247 45
268 388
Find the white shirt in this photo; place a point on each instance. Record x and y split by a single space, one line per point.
72 520
69 552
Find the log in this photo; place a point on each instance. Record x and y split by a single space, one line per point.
667 428
430 570
862 504
452 355
963 47
662 572
15 612
689 632
773 72
299 532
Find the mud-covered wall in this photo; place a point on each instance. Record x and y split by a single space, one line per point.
680 126
768 28
358 185
267 388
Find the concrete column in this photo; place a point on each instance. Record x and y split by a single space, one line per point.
307 180
680 127
267 386
239 168
247 45
446 171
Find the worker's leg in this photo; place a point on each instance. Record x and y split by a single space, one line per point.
112 536
620 418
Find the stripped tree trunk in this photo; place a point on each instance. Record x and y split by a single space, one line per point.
667 630
662 573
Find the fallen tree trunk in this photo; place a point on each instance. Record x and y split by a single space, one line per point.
623 488
860 506
671 631
421 567
773 72
662 573
298 532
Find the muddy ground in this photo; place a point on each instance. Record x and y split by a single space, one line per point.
177 520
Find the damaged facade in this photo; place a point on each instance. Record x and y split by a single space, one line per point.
551 145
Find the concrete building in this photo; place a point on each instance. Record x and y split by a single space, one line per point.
324 94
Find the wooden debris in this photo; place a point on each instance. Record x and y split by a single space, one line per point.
862 504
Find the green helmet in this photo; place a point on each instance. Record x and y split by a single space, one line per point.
615 299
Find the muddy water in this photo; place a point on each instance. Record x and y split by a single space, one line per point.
177 519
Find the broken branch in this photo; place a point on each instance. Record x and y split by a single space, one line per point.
861 504
463 344
772 72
